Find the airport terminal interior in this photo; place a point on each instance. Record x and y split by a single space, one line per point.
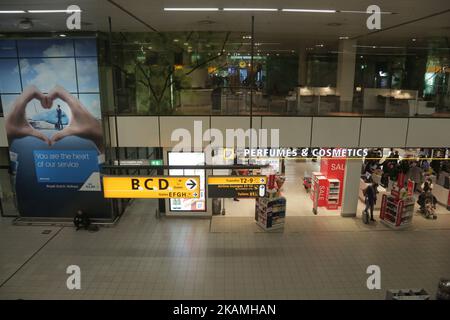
215 150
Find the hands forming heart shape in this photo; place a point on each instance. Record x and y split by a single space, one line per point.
82 123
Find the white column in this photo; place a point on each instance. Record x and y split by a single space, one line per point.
351 188
345 81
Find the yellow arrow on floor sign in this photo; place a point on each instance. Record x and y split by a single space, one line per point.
151 187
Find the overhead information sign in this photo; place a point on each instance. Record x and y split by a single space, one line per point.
236 187
151 187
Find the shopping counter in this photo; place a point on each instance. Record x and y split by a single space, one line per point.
442 195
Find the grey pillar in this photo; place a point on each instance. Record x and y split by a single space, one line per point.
351 188
345 81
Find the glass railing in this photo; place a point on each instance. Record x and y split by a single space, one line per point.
314 101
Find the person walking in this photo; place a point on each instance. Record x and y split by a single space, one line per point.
415 174
371 198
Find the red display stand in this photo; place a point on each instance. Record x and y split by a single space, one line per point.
448 202
313 175
333 194
397 213
334 169
410 187
401 180
319 187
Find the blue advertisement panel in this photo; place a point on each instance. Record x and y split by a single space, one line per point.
49 90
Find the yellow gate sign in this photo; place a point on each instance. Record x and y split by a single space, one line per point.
236 186
151 187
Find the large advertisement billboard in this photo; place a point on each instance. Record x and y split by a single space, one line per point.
49 90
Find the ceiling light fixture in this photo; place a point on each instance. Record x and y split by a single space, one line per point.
310 10
12 11
344 38
363 12
191 9
250 9
62 35
53 11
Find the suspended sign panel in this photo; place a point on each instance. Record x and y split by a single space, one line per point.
151 187
236 187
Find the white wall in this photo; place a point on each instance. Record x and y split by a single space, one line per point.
169 124
138 131
335 132
143 131
383 132
428 133
294 131
224 123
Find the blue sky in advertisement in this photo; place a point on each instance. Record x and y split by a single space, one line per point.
9 76
45 63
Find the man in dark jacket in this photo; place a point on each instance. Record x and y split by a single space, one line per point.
81 220
371 198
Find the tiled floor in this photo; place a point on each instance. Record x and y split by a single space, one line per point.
147 258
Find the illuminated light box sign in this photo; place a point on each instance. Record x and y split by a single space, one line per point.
236 187
151 187
156 162
308 152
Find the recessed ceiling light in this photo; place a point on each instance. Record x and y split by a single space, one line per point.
62 35
310 10
250 9
191 9
175 40
319 45
343 38
53 11
413 39
12 11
